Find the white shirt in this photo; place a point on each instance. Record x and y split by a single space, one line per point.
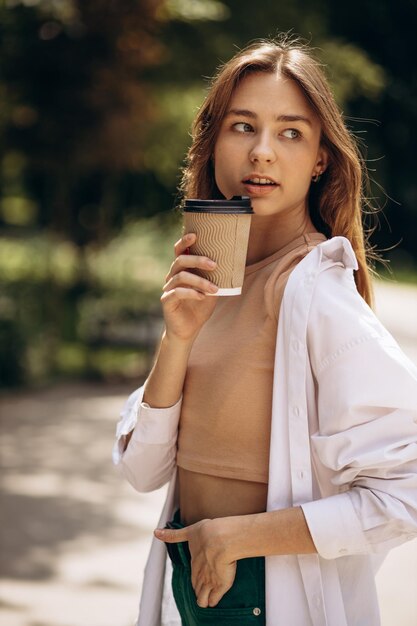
343 447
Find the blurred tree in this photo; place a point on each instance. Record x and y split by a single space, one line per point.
76 107
387 32
72 128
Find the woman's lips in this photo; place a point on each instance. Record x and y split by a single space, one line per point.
259 190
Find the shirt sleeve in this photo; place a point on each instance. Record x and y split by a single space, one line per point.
149 459
366 444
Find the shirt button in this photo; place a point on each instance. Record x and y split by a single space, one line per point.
256 611
296 411
296 345
301 474
342 551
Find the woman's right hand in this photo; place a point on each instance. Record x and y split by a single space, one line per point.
185 304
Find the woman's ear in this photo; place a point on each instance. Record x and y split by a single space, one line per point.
322 160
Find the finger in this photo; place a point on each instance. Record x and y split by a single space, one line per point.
203 596
181 293
215 596
169 535
190 261
187 279
182 244
199 584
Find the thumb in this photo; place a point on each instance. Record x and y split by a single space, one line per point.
170 535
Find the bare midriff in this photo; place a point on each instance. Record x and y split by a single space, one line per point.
205 497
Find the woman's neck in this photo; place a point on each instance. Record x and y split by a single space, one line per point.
271 233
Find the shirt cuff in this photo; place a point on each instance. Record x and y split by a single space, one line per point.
149 425
335 527
157 426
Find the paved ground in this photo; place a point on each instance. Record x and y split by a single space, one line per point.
75 535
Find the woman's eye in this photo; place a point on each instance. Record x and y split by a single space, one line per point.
291 133
242 127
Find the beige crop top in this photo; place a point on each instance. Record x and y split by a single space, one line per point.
227 398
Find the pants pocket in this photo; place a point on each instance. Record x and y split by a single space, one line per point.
243 604
218 616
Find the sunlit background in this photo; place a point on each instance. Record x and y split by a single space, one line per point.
96 102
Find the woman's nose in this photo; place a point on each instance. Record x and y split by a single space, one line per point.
262 149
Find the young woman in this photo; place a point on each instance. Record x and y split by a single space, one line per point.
284 421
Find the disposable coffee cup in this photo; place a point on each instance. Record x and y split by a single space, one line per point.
222 229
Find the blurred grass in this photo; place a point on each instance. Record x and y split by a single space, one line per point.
138 257
92 313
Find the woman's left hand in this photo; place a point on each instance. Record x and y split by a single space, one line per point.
212 569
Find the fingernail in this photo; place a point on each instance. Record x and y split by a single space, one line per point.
212 263
159 531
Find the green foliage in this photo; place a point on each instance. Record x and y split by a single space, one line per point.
138 257
191 10
170 133
38 259
75 109
352 72
94 312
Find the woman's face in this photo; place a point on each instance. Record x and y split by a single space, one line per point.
268 145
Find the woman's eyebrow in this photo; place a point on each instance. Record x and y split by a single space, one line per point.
242 113
279 118
294 118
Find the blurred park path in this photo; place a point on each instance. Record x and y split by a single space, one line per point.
75 535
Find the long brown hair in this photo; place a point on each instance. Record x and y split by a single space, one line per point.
337 201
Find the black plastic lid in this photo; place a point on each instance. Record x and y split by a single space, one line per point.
238 204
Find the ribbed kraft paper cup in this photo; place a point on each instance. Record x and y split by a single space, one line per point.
222 229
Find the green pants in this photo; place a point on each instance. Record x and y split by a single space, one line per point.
242 605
